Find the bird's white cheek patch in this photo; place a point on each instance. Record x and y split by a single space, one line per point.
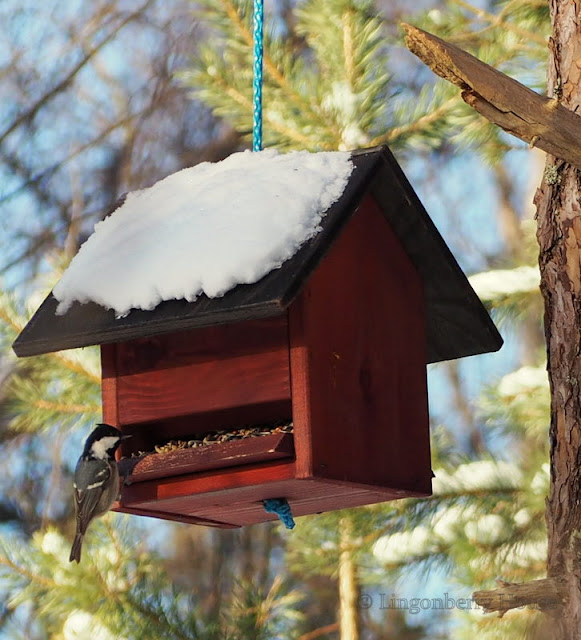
100 448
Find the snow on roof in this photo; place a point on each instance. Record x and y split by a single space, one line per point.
205 229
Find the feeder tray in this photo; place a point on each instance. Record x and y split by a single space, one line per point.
214 451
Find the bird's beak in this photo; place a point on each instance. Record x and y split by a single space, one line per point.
126 436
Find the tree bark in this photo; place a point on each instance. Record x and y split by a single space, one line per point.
558 203
545 594
544 122
540 121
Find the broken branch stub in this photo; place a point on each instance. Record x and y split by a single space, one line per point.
547 594
538 120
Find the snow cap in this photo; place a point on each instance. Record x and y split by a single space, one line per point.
204 230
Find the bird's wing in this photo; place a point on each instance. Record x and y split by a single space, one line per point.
89 485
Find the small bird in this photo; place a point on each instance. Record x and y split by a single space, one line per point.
96 480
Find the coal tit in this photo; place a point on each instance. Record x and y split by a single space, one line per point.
96 480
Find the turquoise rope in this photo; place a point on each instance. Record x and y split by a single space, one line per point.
281 507
258 35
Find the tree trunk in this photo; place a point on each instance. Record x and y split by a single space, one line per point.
348 587
559 233
553 125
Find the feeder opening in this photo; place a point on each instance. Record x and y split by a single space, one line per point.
152 453
222 436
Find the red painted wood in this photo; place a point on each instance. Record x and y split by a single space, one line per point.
207 482
173 516
300 384
317 499
109 384
204 370
215 456
242 505
352 350
306 497
358 358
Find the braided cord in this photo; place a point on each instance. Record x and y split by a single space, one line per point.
281 507
258 34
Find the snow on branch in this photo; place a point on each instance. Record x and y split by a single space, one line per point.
500 283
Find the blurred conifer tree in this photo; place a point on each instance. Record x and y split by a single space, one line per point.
335 78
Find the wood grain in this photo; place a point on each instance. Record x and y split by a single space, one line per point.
215 456
536 119
241 504
203 370
300 387
457 324
109 384
208 482
359 398
559 236
546 594
358 355
175 517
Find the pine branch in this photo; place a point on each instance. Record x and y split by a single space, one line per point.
540 121
28 575
75 366
61 407
348 46
321 631
417 125
245 102
328 95
499 21
272 70
9 319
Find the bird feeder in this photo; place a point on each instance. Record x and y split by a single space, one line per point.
333 344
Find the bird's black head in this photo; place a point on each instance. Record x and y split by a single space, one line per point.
102 442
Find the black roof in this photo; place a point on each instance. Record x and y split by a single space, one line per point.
457 322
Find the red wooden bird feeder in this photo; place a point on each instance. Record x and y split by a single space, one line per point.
335 343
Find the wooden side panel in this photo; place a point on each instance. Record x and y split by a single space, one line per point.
203 370
358 353
109 384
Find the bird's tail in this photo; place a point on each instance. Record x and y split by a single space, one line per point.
76 549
